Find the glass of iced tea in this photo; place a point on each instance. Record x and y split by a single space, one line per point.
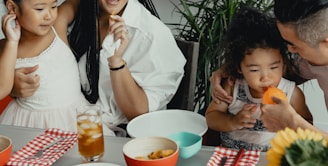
90 133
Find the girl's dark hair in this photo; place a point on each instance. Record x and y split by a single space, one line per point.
251 29
85 38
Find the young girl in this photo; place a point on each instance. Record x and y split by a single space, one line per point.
43 42
8 53
256 56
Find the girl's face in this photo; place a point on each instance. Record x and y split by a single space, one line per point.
112 6
36 16
262 68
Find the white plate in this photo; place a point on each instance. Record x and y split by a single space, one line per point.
165 122
97 164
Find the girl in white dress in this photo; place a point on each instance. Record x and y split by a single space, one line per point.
43 43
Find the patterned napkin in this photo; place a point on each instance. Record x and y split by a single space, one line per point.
235 157
49 156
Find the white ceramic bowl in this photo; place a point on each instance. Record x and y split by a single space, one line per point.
165 122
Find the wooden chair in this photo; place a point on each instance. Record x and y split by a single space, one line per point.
184 97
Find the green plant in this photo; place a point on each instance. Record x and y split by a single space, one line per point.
206 21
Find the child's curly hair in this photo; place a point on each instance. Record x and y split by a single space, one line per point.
251 29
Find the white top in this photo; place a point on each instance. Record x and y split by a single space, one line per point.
256 138
54 103
153 58
309 71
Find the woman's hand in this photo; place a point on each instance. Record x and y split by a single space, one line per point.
11 33
119 30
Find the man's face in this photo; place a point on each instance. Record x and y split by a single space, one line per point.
315 55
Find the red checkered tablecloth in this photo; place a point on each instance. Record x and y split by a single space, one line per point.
22 156
246 158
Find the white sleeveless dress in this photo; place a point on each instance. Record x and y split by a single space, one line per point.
54 103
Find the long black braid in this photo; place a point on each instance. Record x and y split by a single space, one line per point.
85 38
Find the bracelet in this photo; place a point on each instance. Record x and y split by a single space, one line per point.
118 68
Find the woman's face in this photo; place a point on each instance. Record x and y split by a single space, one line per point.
112 6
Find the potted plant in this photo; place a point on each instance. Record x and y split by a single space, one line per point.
206 21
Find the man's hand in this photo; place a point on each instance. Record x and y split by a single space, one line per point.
25 83
218 93
278 116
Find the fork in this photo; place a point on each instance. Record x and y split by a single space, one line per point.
40 152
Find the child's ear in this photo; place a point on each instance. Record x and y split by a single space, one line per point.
11 7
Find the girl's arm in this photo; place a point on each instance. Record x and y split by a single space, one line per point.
297 101
218 119
8 54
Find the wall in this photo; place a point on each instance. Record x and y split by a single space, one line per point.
313 94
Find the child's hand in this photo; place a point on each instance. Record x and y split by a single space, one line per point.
244 118
11 33
119 30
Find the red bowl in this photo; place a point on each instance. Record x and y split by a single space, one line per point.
5 149
141 147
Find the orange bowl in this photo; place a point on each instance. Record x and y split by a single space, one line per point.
141 147
272 91
5 149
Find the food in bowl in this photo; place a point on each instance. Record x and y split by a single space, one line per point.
5 149
157 154
148 151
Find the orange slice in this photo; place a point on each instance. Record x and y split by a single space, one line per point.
272 91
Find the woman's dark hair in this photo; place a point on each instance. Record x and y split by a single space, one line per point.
251 29
85 38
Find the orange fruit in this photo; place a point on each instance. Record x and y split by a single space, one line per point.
272 91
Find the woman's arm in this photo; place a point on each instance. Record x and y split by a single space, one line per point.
129 96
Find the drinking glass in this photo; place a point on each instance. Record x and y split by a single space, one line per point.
90 133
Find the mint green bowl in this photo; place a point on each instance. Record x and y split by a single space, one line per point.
189 143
